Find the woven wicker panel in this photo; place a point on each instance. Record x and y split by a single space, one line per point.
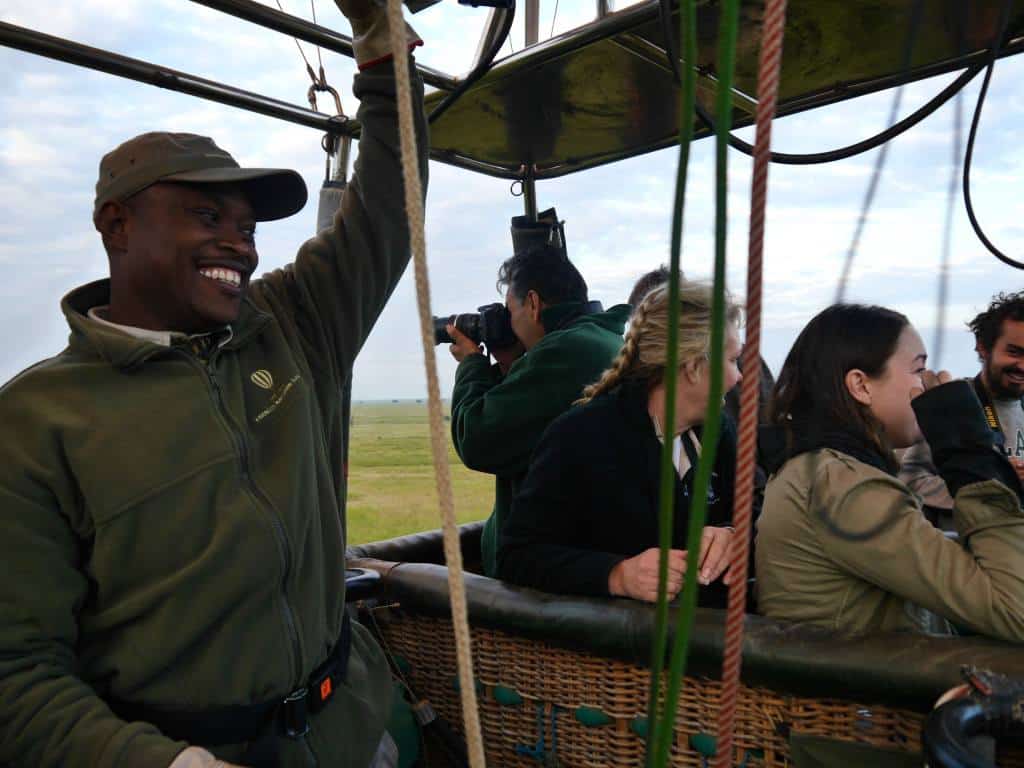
553 683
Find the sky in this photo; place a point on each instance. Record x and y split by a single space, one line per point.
57 120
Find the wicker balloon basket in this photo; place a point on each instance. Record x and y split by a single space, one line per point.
542 705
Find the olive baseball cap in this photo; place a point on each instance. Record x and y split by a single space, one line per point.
185 157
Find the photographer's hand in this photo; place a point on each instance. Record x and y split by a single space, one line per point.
463 346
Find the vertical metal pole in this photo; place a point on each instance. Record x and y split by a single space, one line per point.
530 194
604 7
531 21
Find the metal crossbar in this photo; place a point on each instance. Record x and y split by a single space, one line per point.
58 48
271 18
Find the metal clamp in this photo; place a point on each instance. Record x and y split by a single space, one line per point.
295 715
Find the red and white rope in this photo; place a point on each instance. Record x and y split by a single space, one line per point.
767 93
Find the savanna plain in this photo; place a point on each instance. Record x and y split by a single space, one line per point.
391 488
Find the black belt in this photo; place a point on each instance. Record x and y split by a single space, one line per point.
251 723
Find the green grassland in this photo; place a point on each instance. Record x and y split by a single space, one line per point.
391 474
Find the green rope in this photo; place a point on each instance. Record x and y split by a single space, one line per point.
663 726
688 36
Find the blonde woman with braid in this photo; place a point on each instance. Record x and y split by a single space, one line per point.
585 520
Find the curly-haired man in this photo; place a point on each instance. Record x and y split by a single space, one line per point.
999 342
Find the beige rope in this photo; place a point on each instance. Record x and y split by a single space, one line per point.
438 441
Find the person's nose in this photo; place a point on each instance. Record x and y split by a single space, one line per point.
240 243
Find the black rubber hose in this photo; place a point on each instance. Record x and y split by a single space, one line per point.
842 153
480 69
829 156
969 155
947 734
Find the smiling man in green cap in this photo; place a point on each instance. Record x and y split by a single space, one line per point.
172 485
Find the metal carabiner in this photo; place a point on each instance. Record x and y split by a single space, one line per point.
338 147
321 84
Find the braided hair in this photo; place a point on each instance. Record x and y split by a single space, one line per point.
642 356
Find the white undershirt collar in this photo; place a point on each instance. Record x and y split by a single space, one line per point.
163 338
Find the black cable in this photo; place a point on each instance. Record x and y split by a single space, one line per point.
916 15
480 69
828 156
872 142
993 55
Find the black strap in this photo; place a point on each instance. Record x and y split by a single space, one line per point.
249 722
211 727
326 677
991 416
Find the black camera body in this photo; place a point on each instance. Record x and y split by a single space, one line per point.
491 324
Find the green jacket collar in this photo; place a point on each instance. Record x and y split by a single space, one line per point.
558 316
119 349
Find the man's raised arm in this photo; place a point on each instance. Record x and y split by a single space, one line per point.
342 278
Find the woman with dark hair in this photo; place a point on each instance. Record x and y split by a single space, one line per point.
585 519
841 542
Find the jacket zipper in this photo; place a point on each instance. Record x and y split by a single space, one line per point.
261 500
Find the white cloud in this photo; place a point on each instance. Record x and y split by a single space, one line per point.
20 150
58 120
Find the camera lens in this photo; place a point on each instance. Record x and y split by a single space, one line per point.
468 323
441 331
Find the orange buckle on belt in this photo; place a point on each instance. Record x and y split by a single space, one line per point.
326 689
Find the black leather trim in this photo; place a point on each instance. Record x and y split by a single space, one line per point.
900 670
426 547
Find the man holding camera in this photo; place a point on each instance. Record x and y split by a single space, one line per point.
172 483
565 342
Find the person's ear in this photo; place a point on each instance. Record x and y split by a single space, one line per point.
983 353
858 384
110 222
692 370
535 305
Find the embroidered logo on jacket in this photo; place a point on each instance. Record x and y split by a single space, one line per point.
262 378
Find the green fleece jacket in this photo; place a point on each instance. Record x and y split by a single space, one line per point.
174 528
497 422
